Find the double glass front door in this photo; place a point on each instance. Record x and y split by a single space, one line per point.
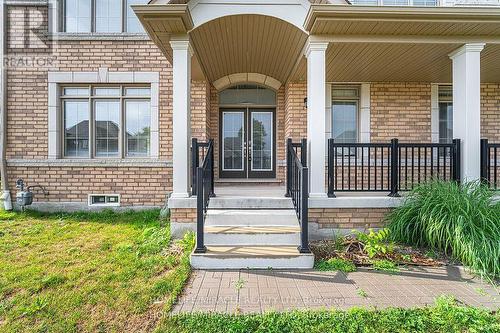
247 143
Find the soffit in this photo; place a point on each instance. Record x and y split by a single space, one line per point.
248 44
407 62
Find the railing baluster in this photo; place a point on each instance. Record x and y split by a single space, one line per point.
298 184
369 167
495 167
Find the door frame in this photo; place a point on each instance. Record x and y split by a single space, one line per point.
247 173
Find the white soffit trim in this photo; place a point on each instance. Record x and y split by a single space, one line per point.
232 79
291 11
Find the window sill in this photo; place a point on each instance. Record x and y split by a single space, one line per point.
98 36
73 162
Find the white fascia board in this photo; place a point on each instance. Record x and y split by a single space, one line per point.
291 11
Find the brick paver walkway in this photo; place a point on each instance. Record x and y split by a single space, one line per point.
263 290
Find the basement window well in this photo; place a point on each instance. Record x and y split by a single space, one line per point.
104 200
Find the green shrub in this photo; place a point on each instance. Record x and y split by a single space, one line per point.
375 243
335 264
461 220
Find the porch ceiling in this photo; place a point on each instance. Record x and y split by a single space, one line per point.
248 44
417 62
401 44
366 43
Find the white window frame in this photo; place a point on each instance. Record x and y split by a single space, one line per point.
56 80
364 118
446 100
435 110
356 99
91 100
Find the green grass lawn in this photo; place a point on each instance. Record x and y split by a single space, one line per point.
120 272
90 272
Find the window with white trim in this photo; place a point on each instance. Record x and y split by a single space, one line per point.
445 102
345 113
106 121
101 16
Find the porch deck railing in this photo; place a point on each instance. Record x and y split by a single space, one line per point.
204 190
389 167
490 164
297 187
199 151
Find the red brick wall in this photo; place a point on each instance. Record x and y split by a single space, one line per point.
490 112
137 186
400 110
295 112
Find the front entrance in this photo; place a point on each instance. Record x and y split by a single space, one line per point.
247 142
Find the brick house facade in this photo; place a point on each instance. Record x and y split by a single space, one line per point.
401 109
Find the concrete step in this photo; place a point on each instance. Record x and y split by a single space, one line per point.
238 257
248 182
245 202
252 227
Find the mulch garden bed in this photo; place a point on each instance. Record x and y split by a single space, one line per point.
350 249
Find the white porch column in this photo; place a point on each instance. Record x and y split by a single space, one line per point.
181 119
316 117
467 106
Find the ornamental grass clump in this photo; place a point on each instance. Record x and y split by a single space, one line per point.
461 220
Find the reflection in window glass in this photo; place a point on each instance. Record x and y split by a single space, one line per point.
262 133
137 92
133 24
424 3
107 91
76 129
76 91
138 123
344 121
232 137
445 114
396 2
365 2
77 15
247 94
445 122
108 15
107 127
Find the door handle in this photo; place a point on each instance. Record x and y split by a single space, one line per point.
250 150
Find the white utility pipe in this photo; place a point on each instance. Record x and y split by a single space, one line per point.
7 202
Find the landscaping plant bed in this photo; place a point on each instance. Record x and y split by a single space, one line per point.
351 249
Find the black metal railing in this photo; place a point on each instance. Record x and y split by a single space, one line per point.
389 167
297 187
198 151
204 191
490 164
